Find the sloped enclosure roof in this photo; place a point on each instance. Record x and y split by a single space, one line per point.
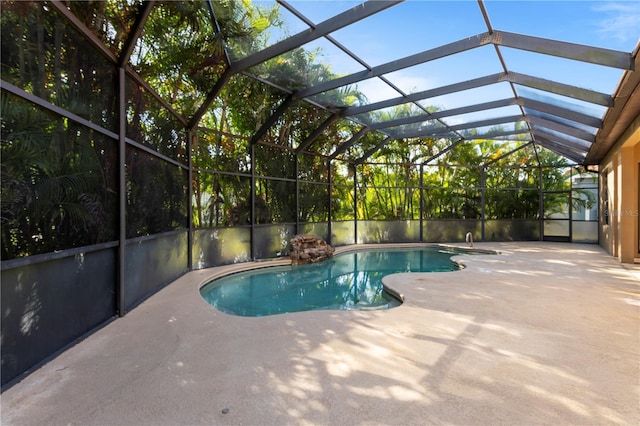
557 74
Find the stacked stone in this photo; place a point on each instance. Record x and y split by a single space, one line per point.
309 249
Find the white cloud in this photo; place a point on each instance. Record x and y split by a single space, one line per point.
375 90
621 21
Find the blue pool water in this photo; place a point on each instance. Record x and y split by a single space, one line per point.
351 280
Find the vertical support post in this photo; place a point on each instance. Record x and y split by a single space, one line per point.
252 237
297 193
572 171
483 202
330 201
421 202
122 196
191 138
355 203
540 203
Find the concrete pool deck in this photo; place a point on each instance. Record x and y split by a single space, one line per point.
544 333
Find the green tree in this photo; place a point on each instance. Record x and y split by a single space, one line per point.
55 194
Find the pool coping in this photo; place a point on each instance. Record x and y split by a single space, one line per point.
224 270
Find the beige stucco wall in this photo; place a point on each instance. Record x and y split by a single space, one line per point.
619 197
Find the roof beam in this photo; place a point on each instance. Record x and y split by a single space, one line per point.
577 156
62 8
444 151
527 103
317 132
431 93
218 31
577 52
409 61
136 32
568 114
335 23
213 94
586 95
560 139
433 130
497 134
522 101
558 145
370 152
488 122
401 121
342 148
517 78
562 128
443 113
498 51
425 132
272 119
474 108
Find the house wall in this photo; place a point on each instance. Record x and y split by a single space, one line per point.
620 197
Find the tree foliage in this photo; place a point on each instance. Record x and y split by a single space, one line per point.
57 183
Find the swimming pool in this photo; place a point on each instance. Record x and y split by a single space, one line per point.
350 280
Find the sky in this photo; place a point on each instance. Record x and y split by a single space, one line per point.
418 25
